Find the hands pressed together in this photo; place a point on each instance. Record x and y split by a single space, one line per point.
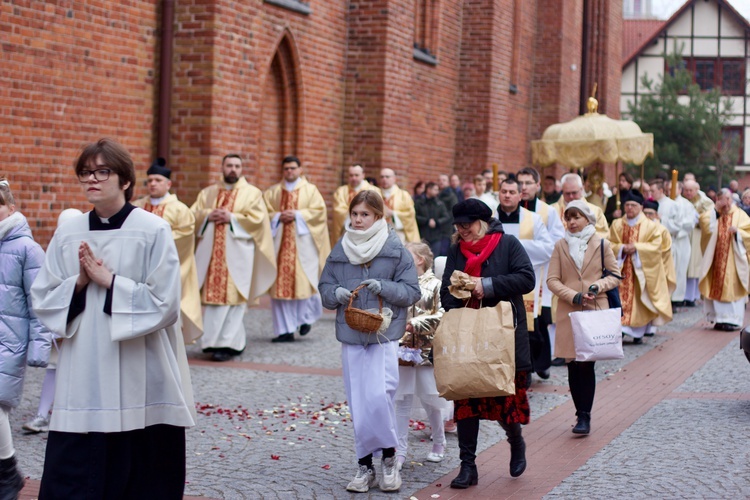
91 269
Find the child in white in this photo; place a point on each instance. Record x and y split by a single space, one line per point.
416 374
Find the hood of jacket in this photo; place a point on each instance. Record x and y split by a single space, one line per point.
18 230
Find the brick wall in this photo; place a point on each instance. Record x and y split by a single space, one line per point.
338 86
70 74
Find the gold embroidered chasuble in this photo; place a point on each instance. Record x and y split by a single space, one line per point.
342 197
182 221
601 226
724 276
644 291
226 278
297 274
402 204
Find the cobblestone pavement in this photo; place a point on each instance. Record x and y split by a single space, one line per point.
703 453
271 434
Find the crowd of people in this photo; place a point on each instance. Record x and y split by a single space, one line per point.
123 288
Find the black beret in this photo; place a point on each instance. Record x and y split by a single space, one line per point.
159 167
632 195
653 205
471 210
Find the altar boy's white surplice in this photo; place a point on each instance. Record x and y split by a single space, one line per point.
129 370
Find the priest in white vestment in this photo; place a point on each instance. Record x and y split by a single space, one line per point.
529 182
531 231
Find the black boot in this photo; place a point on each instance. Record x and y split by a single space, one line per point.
11 481
467 431
517 448
583 426
467 476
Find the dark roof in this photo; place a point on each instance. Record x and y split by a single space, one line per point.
647 40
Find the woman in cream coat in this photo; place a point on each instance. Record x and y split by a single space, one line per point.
575 277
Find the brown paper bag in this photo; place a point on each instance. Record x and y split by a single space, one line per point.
474 353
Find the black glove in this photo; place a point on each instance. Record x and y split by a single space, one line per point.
593 289
577 299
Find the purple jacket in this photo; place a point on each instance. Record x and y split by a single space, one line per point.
22 336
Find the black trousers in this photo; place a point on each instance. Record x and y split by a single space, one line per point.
541 351
582 383
139 464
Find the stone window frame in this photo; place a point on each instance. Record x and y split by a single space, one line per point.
426 30
298 6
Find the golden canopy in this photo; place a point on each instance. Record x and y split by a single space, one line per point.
592 138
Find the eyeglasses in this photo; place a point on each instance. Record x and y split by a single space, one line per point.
290 168
100 174
464 225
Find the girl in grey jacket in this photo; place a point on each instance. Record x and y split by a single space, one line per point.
23 339
371 254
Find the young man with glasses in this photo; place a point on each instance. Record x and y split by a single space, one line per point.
110 286
299 225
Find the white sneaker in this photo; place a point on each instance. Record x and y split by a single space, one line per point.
391 477
363 481
38 424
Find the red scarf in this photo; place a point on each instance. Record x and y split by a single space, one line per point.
478 251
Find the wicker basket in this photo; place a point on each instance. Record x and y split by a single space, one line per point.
361 320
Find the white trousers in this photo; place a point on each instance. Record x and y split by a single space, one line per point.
6 438
681 257
725 312
692 292
288 315
635 332
223 327
370 380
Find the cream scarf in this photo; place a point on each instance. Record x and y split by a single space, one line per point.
578 243
363 246
16 219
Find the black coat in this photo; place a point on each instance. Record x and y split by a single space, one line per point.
512 277
431 208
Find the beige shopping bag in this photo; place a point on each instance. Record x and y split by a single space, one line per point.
474 353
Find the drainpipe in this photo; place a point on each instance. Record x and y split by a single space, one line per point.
165 78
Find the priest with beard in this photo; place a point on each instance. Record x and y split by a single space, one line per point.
235 257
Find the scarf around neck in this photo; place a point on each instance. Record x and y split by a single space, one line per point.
361 247
476 252
578 243
10 222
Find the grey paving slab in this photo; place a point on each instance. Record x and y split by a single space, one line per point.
280 415
681 448
727 372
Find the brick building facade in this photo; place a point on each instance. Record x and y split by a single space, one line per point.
421 86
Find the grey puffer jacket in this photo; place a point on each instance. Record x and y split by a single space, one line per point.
395 269
22 336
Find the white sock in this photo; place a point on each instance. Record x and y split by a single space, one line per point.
48 393
6 438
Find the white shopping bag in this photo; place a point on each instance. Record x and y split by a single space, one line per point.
597 335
